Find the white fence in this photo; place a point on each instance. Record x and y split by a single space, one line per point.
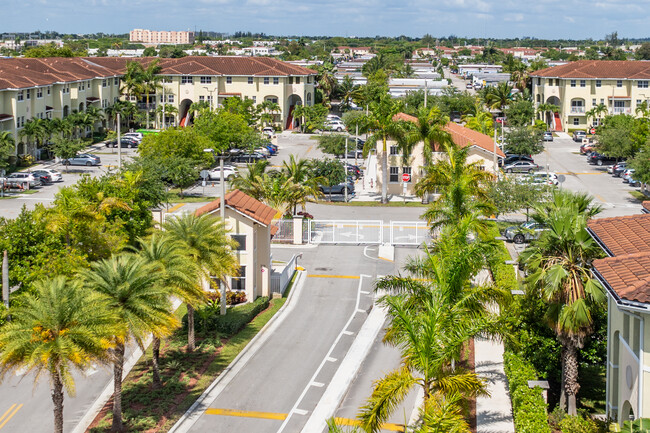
280 279
409 232
284 235
345 232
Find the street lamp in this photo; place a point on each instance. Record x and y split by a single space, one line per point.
211 92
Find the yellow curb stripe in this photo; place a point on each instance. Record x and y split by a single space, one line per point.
247 414
7 412
175 207
354 422
600 198
351 277
383 258
10 415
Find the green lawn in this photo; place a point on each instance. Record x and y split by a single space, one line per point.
639 196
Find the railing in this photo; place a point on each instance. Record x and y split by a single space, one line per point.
284 235
280 279
145 106
577 110
621 110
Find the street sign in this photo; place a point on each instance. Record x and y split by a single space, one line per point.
592 131
406 177
561 178
204 174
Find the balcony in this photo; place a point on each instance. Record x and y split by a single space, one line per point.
621 110
577 110
145 106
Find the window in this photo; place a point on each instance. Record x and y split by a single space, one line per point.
39 93
619 83
602 100
290 80
28 93
104 83
201 98
273 100
206 80
539 81
49 90
599 83
642 84
116 81
250 80
20 121
167 79
276 80
20 95
170 99
593 101
79 86
239 282
583 83
297 80
394 150
308 80
267 80
573 83
186 79
254 99
241 242
394 174
407 170
576 121
228 80
638 102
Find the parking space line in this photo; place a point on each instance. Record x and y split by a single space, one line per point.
356 423
351 277
175 207
246 414
9 414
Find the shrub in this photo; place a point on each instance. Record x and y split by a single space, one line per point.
578 424
235 319
528 407
503 275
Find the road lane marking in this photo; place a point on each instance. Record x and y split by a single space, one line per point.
301 412
9 415
351 277
7 412
246 413
309 149
318 384
328 356
600 198
175 207
571 173
354 422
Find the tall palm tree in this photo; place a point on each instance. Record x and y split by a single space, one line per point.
482 122
54 330
169 110
151 82
381 124
7 147
176 275
132 288
461 187
545 109
248 183
559 267
349 92
300 173
430 130
34 129
206 243
498 97
267 112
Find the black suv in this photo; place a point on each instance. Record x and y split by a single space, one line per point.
600 159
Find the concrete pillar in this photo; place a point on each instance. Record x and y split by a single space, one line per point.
266 280
297 230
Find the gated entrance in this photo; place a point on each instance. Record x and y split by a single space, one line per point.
367 232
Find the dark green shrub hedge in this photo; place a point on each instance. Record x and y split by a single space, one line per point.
236 317
503 275
528 407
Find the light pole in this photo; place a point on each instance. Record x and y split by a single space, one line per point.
211 95
119 144
345 189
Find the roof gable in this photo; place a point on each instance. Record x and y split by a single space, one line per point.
244 204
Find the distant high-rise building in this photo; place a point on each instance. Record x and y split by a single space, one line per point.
161 37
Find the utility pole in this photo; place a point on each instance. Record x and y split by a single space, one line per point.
494 157
119 144
222 182
5 279
345 189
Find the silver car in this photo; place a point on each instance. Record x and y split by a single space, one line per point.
21 179
524 232
82 159
521 167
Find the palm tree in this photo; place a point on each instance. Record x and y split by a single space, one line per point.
94 115
267 111
349 92
559 266
169 109
430 130
544 109
482 122
6 142
383 127
642 109
141 304
55 329
151 83
299 171
176 275
498 97
206 243
248 183
34 129
461 188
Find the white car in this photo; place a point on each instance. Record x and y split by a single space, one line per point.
264 151
137 135
335 125
228 170
268 131
55 175
333 117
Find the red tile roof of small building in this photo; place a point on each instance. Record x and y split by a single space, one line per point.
623 235
244 204
628 275
646 206
617 69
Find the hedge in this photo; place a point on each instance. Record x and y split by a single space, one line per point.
528 406
503 275
236 317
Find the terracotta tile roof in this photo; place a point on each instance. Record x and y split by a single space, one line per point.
646 207
244 204
628 276
618 69
24 73
461 135
623 235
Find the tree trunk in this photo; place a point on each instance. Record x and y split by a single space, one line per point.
562 382
191 343
384 175
57 399
118 367
571 385
155 361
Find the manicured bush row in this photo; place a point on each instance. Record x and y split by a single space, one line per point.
503 275
528 407
236 317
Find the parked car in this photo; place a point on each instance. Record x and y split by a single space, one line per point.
525 232
335 125
22 178
618 169
264 151
579 135
469 86
82 159
228 171
337 189
54 175
248 157
512 158
333 117
354 171
43 176
137 135
627 175
600 159
547 136
128 142
268 131
272 148
521 167
542 177
587 148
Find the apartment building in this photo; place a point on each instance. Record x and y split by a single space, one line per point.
161 37
577 87
54 87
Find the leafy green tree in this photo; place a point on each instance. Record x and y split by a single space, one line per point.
520 112
149 52
64 148
497 97
621 136
204 239
57 329
511 195
329 171
523 140
353 121
171 52
141 305
641 164
559 271
7 148
172 144
333 144
225 130
311 117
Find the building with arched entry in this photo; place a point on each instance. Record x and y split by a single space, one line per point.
577 88
625 274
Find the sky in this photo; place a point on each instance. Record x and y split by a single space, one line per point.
544 19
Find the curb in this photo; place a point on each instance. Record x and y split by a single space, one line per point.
192 415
